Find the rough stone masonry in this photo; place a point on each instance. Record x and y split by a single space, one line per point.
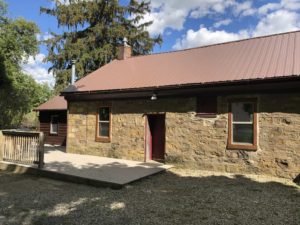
192 141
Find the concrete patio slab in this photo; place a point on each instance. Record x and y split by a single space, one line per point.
118 171
93 170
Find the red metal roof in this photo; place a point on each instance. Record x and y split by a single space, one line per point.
56 103
273 56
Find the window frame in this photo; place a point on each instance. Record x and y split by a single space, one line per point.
99 138
51 124
200 103
242 146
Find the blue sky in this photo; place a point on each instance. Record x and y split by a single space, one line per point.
183 23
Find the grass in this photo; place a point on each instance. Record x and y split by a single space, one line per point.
175 197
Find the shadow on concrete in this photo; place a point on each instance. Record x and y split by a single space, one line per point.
167 198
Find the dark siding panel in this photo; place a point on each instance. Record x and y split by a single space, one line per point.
45 119
207 105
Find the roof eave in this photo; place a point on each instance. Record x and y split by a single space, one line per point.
37 110
290 83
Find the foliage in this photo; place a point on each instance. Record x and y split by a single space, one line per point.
20 98
19 93
30 121
95 29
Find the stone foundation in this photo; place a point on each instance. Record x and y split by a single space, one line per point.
192 141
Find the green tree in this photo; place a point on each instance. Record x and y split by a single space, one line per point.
95 29
19 93
20 98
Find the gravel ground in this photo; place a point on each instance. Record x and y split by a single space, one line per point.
174 197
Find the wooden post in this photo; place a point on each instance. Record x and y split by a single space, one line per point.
41 150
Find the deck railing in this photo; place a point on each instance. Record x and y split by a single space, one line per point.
23 147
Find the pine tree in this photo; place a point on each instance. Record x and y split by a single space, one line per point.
94 30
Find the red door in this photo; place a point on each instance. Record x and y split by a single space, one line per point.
155 137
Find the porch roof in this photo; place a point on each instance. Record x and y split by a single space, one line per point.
56 103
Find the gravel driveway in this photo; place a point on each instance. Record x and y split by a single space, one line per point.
174 197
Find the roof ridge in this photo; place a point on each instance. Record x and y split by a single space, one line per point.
216 44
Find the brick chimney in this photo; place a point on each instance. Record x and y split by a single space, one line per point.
124 50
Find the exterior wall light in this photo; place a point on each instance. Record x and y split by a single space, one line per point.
153 97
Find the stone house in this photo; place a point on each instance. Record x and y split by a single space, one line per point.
231 107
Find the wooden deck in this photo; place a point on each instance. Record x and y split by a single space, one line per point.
92 170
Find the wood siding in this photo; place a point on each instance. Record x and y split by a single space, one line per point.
45 120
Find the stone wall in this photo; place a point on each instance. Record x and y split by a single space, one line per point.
128 126
192 141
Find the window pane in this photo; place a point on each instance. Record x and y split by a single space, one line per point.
104 129
104 114
242 112
243 133
54 125
54 128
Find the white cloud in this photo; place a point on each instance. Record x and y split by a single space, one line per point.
67 2
273 18
205 36
276 22
44 36
265 9
173 14
244 9
161 20
290 5
63 2
204 8
35 67
222 23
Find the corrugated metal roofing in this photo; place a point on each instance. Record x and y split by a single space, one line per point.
272 56
56 103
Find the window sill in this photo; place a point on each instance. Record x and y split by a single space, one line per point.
206 115
103 139
53 134
241 147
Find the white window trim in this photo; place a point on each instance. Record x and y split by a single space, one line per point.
51 125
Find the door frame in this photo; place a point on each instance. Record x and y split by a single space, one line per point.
147 127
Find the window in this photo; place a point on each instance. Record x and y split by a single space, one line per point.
54 124
242 127
207 106
103 131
